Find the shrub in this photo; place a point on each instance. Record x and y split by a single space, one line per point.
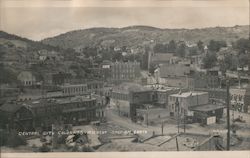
14 140
44 148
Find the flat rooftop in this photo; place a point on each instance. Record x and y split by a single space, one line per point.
207 107
65 100
187 94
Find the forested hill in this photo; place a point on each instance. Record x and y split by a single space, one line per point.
138 35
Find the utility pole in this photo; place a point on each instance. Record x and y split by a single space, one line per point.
178 109
162 126
184 121
147 115
228 116
177 145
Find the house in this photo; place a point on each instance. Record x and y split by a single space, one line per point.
26 78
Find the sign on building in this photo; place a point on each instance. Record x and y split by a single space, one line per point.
211 120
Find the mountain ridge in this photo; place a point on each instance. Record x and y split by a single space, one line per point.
139 34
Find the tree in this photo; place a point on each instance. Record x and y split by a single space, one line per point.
230 62
181 50
209 60
243 60
14 140
7 75
215 46
200 46
152 68
117 56
160 48
193 51
172 46
242 45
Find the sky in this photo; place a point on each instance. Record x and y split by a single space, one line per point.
39 19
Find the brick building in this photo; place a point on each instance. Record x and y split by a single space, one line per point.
124 71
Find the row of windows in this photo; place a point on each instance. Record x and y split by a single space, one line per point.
237 97
56 108
123 76
120 96
74 89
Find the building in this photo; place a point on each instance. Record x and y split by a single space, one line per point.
43 113
106 70
214 93
161 58
240 99
95 86
61 78
175 75
131 98
206 80
73 90
26 78
124 71
195 106
125 94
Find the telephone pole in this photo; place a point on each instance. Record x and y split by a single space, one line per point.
178 109
228 115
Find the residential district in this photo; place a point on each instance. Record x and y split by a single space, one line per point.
161 101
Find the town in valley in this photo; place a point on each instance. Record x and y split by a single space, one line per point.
136 88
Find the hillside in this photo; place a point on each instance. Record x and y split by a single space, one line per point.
138 35
18 54
6 38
